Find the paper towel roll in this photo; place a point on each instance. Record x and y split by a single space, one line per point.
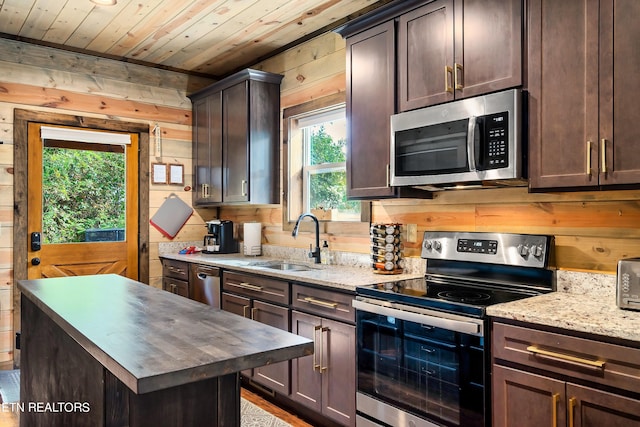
252 238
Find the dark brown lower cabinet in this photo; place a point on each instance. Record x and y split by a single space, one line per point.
524 399
544 378
274 376
325 381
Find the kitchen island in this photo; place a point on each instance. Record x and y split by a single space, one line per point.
104 350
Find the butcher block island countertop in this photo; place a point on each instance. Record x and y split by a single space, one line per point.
137 355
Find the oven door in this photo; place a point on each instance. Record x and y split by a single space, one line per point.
416 365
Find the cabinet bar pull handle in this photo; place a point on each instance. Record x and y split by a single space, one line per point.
572 404
244 187
599 364
388 174
322 341
554 409
448 71
317 328
604 155
253 313
458 67
245 308
589 158
326 304
249 286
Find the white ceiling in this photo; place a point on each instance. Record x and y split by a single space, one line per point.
210 37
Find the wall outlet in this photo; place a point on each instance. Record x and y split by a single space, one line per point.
412 233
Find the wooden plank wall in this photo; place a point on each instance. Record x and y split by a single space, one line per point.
44 79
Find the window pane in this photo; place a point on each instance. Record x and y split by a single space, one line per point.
327 142
327 191
83 190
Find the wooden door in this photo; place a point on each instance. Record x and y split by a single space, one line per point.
488 46
338 366
306 380
275 375
370 104
563 93
76 243
521 399
590 407
619 88
425 56
235 151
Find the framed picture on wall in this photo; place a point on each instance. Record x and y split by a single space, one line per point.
159 173
176 174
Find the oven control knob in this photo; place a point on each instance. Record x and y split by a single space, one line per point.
437 245
536 251
427 244
523 250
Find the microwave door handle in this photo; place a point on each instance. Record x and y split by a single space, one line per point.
471 142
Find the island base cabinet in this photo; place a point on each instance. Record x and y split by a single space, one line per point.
325 381
61 384
523 399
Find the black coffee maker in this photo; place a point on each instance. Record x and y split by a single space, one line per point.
219 239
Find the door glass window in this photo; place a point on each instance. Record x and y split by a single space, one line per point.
83 191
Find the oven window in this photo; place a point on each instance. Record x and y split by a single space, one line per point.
430 372
434 149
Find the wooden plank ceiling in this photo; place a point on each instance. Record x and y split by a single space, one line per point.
208 37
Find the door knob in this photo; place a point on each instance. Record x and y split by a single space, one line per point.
35 261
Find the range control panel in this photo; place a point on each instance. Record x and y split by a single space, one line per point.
526 250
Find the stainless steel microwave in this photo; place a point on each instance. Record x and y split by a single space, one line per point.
464 142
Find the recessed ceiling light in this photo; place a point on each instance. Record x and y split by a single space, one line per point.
105 2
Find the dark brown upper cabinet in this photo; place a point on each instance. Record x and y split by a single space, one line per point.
396 61
453 49
583 88
236 135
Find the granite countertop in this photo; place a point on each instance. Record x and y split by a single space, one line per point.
583 303
334 276
153 340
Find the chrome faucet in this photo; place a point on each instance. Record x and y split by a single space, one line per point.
315 253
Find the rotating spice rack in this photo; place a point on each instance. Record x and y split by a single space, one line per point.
386 248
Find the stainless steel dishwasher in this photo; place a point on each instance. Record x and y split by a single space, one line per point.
204 284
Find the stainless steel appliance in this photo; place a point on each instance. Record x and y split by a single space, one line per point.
628 284
422 344
204 284
220 239
462 142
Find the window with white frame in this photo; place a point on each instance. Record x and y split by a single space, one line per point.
317 165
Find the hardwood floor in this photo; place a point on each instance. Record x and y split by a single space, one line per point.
273 409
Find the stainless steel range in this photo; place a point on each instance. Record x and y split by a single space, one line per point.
423 350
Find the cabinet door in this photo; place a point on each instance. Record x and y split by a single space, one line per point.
235 304
563 93
207 150
619 88
526 400
590 407
274 376
306 379
370 104
236 143
425 55
488 46
338 366
178 287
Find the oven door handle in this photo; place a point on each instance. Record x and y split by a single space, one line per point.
420 316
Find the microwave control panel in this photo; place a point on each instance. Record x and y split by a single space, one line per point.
495 141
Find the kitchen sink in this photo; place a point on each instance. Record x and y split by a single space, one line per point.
282 265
